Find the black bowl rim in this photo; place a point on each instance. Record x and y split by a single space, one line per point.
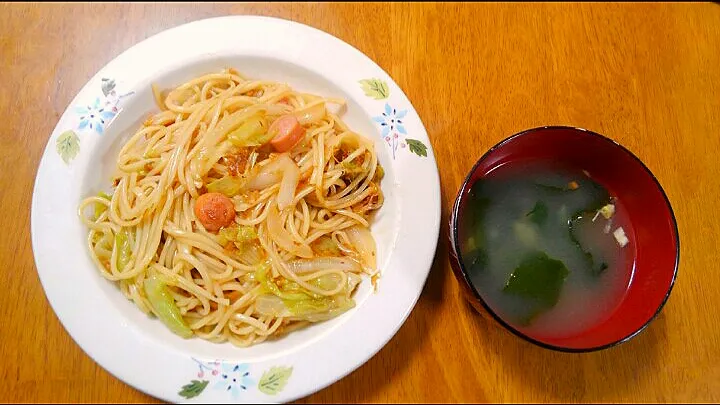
458 258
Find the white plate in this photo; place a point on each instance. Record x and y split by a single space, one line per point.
81 153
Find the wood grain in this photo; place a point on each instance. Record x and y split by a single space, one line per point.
644 74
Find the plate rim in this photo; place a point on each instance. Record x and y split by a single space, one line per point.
434 225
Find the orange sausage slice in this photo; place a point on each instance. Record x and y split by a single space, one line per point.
288 132
214 210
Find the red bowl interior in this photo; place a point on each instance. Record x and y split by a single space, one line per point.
625 176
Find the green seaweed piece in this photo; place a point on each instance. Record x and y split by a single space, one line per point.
539 213
538 278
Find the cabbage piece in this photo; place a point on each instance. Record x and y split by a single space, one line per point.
123 245
226 235
253 132
287 286
292 291
352 167
164 307
291 300
325 246
246 234
326 281
228 185
271 305
330 282
317 310
250 254
242 234
311 309
100 208
262 278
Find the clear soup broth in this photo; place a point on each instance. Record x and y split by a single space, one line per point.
549 249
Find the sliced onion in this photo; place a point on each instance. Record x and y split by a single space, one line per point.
311 114
353 281
289 182
283 238
364 244
263 180
206 158
301 266
267 175
283 170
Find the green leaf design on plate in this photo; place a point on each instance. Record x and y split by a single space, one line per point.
375 88
274 380
107 86
68 146
193 389
417 147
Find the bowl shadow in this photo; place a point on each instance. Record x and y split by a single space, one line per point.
547 375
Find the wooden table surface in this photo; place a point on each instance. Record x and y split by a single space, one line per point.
646 75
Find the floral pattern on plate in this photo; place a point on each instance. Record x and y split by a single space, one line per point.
92 117
234 378
391 120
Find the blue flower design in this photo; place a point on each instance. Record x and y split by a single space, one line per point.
234 378
391 121
97 115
